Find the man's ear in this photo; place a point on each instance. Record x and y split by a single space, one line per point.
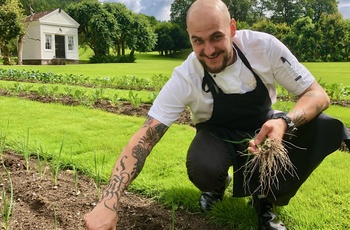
233 27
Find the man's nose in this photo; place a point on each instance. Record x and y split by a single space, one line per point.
209 49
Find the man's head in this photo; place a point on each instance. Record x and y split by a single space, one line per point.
211 29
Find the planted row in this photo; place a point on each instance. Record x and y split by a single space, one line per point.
121 82
87 97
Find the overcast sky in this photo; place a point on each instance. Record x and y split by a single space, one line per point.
161 8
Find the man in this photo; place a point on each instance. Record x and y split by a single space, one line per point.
228 82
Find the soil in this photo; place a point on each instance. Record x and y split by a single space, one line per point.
38 204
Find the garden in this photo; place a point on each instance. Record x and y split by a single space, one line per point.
62 127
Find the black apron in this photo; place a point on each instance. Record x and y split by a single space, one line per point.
239 116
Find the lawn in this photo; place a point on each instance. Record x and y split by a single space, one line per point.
321 203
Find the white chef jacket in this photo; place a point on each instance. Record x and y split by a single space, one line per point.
269 58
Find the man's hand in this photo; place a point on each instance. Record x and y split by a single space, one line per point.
273 129
101 218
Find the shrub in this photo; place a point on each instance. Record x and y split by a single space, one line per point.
112 59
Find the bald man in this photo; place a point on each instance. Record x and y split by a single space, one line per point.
228 82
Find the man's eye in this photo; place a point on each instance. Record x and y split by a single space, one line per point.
215 38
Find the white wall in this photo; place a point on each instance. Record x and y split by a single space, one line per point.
32 42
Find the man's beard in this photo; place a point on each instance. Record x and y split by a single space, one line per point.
224 64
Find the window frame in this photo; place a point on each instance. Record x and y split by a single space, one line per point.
70 43
48 41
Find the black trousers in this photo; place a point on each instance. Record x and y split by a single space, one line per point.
210 156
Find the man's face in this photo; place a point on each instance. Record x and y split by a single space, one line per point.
211 41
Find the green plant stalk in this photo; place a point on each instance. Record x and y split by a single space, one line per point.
40 164
173 216
56 164
98 174
6 211
26 151
76 180
2 143
55 218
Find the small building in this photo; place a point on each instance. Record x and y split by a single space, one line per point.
51 38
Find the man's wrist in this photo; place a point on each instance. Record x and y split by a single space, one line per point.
291 128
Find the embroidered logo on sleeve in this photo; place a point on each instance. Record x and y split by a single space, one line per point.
290 69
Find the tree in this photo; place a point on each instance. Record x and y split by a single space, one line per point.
98 27
180 38
10 26
165 42
142 38
178 12
243 10
45 5
284 10
26 23
347 40
304 39
125 20
332 44
315 8
171 38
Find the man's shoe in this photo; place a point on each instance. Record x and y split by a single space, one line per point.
207 199
268 219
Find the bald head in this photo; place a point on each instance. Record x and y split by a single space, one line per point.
207 9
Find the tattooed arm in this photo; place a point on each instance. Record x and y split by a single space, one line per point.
310 103
129 164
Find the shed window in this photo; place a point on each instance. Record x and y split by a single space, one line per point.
70 43
48 41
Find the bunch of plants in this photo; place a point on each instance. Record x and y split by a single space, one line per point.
120 82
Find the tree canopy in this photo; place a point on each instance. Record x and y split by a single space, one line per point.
10 26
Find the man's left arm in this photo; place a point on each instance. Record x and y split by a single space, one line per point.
310 103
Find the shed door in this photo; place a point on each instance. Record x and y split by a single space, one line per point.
60 46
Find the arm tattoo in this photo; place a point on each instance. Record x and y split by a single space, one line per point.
120 180
146 143
299 117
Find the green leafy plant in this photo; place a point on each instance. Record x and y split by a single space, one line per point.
97 94
115 99
43 90
134 99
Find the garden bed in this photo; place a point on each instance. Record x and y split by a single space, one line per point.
38 204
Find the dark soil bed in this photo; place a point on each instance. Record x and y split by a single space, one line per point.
38 204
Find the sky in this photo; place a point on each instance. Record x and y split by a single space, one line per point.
160 9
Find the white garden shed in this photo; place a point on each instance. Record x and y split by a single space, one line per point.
51 38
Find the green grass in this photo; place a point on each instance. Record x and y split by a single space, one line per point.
330 72
146 66
321 203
